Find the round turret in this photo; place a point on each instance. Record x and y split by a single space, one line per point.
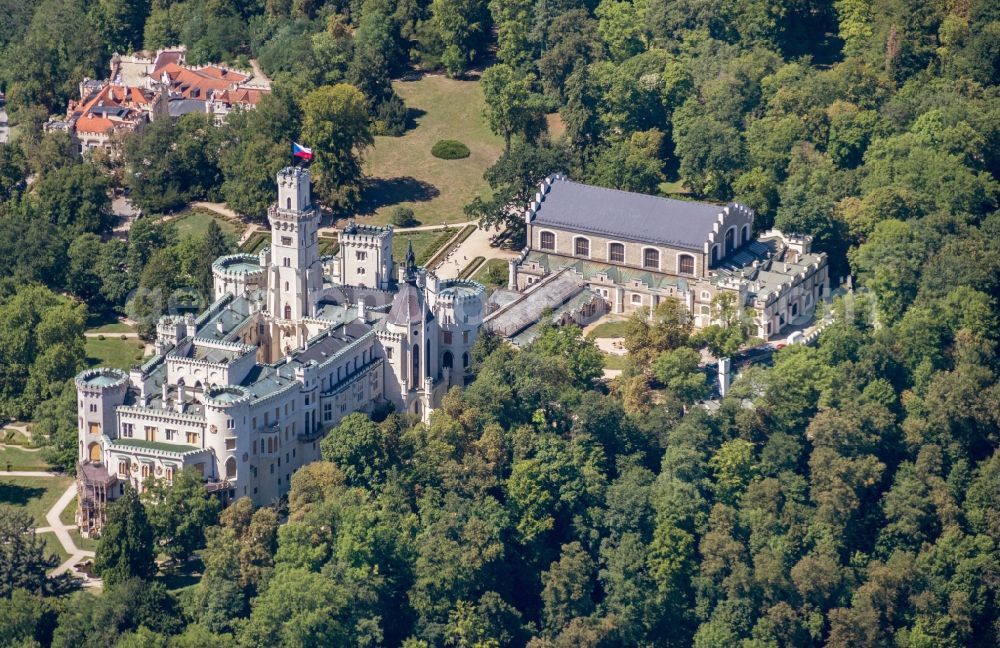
227 433
99 391
236 273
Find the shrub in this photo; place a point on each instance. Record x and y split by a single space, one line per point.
402 217
124 337
100 337
450 150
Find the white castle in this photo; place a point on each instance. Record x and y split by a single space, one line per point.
292 344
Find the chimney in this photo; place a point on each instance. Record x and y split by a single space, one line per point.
165 392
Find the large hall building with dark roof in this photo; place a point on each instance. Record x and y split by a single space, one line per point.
292 344
592 250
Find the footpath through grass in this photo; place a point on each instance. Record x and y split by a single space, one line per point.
12 458
35 495
402 169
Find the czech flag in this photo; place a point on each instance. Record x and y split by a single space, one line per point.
300 151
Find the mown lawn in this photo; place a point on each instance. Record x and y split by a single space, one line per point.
36 495
195 222
425 244
113 351
87 544
53 546
112 327
612 361
12 458
611 329
402 169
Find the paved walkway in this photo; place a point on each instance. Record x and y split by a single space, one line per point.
218 208
62 533
56 526
478 244
4 127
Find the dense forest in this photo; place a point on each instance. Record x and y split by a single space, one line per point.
844 496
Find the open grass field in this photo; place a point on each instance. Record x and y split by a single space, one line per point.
425 244
113 352
402 169
112 327
53 546
195 223
12 458
35 495
611 329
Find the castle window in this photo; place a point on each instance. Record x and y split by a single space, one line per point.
745 235
360 256
465 360
170 434
231 424
685 264
287 262
288 312
192 438
286 240
446 337
122 468
95 428
651 258
715 254
361 271
465 337
616 253
231 443
388 353
93 407
231 468
327 411
636 298
446 359
145 471
288 203
127 430
581 246
705 310
730 239
547 241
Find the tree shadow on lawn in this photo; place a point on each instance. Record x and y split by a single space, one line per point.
380 192
16 495
412 115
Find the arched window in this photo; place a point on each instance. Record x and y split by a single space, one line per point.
547 241
730 240
745 235
288 311
447 360
651 258
415 378
231 468
288 203
581 246
465 360
616 253
685 264
715 254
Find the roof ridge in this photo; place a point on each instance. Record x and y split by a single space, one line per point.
721 206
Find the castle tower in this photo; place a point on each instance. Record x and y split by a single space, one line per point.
295 274
365 257
459 305
99 392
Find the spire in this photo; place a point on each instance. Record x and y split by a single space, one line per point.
411 263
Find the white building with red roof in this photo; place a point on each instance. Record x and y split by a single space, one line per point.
146 86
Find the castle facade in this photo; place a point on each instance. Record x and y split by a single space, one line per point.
292 344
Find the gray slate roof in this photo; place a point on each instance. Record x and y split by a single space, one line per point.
614 213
